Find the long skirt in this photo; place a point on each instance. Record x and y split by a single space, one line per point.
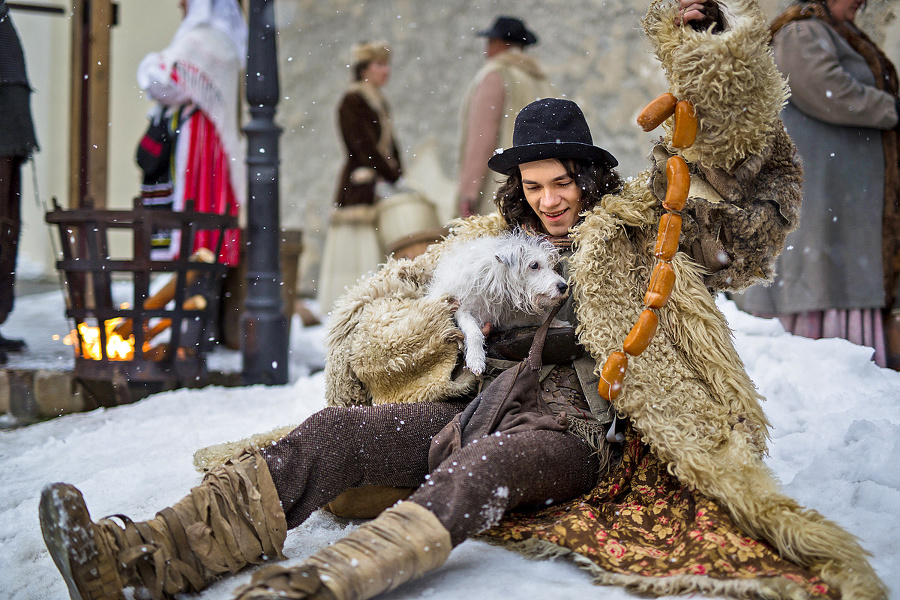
351 251
862 326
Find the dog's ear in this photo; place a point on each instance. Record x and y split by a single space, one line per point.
510 256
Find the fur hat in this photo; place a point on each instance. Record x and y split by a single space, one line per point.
550 128
365 52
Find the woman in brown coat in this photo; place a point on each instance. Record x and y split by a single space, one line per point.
365 121
351 247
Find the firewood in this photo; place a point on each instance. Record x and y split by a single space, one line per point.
167 292
197 302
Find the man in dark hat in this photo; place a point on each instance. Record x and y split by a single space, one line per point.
507 82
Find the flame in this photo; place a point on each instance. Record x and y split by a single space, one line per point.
117 347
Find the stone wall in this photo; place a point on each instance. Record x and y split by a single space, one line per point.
593 50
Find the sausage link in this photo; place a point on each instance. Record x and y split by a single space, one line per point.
660 108
642 333
678 183
612 375
667 238
685 125
661 284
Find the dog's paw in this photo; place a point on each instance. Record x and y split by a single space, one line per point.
477 369
475 360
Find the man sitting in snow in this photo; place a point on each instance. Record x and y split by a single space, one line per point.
682 503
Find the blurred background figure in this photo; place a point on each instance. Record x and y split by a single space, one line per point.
838 274
199 154
509 80
17 143
373 160
193 149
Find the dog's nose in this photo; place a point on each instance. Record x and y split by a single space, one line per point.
562 287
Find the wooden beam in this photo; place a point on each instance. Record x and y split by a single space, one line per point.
78 104
92 21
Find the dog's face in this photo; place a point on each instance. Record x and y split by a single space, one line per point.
532 277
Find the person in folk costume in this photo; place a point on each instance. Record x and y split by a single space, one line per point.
17 143
674 499
502 87
195 82
373 158
838 276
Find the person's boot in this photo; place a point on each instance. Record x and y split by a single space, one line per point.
12 345
403 543
233 518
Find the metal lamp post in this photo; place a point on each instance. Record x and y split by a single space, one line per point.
264 339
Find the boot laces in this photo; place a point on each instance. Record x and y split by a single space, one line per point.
152 560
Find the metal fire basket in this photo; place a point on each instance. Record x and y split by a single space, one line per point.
90 271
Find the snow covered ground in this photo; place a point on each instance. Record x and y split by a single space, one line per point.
835 446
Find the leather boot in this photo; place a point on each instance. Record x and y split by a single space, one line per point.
403 543
12 345
233 518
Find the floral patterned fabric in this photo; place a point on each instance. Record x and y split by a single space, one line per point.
640 521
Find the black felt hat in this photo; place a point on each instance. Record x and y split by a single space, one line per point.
510 29
550 128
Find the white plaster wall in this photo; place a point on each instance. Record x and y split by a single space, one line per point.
46 38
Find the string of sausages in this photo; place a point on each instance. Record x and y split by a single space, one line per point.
662 281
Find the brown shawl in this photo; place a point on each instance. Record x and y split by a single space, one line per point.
886 80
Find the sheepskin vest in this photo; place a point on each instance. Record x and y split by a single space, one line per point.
524 81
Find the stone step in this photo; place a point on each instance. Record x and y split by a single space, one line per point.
31 395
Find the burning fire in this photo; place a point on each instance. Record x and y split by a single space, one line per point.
117 347
120 340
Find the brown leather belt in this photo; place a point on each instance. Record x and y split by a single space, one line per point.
513 344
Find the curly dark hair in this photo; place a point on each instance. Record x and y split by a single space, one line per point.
595 181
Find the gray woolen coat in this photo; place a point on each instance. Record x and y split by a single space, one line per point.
835 117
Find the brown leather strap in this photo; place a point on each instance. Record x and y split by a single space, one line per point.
154 561
134 548
561 345
535 355
187 563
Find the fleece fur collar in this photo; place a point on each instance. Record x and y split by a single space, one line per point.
519 60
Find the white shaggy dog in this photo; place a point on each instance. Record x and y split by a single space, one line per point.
507 281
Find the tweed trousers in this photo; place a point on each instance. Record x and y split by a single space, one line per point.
387 445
